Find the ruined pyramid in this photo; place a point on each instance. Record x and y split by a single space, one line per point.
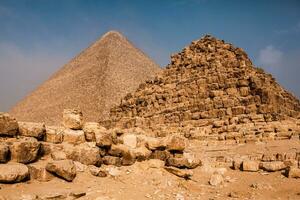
93 81
211 90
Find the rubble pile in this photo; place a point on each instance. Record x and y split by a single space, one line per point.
211 91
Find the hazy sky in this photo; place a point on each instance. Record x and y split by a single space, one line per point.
38 37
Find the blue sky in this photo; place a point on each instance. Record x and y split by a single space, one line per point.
38 37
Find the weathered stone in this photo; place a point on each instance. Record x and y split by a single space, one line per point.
25 150
250 166
112 160
65 169
183 173
8 125
31 129
58 155
142 153
91 129
161 155
175 143
104 140
74 136
85 153
155 143
216 179
156 163
273 166
4 153
72 119
54 134
237 163
187 160
38 172
130 140
118 150
128 158
97 171
13 172
293 172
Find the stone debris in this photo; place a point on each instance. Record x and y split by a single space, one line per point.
273 166
250 166
13 172
216 179
293 172
31 129
8 125
39 172
74 136
97 171
65 169
72 119
183 173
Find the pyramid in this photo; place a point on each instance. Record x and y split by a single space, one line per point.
211 90
93 81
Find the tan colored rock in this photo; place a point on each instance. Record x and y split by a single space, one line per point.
72 119
293 172
161 155
118 150
273 166
97 171
104 140
8 125
84 153
237 163
183 173
58 155
175 143
31 129
38 172
4 153
91 129
54 134
25 150
112 160
155 163
13 172
187 160
74 136
130 140
216 179
142 153
250 166
155 143
65 169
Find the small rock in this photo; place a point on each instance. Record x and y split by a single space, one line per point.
154 143
216 179
112 160
39 172
113 171
53 196
91 129
142 153
65 169
187 174
13 172
77 194
97 171
72 119
293 172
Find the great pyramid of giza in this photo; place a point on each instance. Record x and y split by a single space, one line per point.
93 81
211 89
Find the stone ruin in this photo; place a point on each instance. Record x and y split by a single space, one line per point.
210 95
211 91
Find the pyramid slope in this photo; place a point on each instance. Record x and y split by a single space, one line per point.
209 84
93 81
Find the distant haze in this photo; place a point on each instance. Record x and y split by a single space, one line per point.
38 37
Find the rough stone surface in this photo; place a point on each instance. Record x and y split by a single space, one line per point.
293 172
91 129
8 125
97 171
31 129
54 134
175 143
13 172
187 174
4 153
130 140
112 160
65 169
250 166
38 172
273 166
74 136
25 150
216 179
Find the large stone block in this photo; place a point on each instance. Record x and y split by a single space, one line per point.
13 172
25 150
74 136
250 166
54 134
65 169
4 153
8 125
273 166
38 172
31 129
91 129
175 143
72 119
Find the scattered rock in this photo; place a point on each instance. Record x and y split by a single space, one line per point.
39 172
8 125
31 129
25 150
72 119
183 173
58 155
186 160
293 172
65 169
97 171
54 134
53 195
273 166
130 140
104 140
175 143
13 172
113 171
77 194
91 129
142 153
216 179
112 160
155 143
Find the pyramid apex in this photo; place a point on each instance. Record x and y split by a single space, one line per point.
112 33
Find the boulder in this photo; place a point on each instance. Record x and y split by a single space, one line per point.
112 160
4 153
31 129
104 140
58 155
25 150
74 136
293 172
85 153
183 173
237 163
272 166
161 155
8 125
155 143
142 153
186 160
13 172
54 134
65 169
91 129
128 158
38 172
216 179
175 143
250 166
72 119
118 150
130 140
